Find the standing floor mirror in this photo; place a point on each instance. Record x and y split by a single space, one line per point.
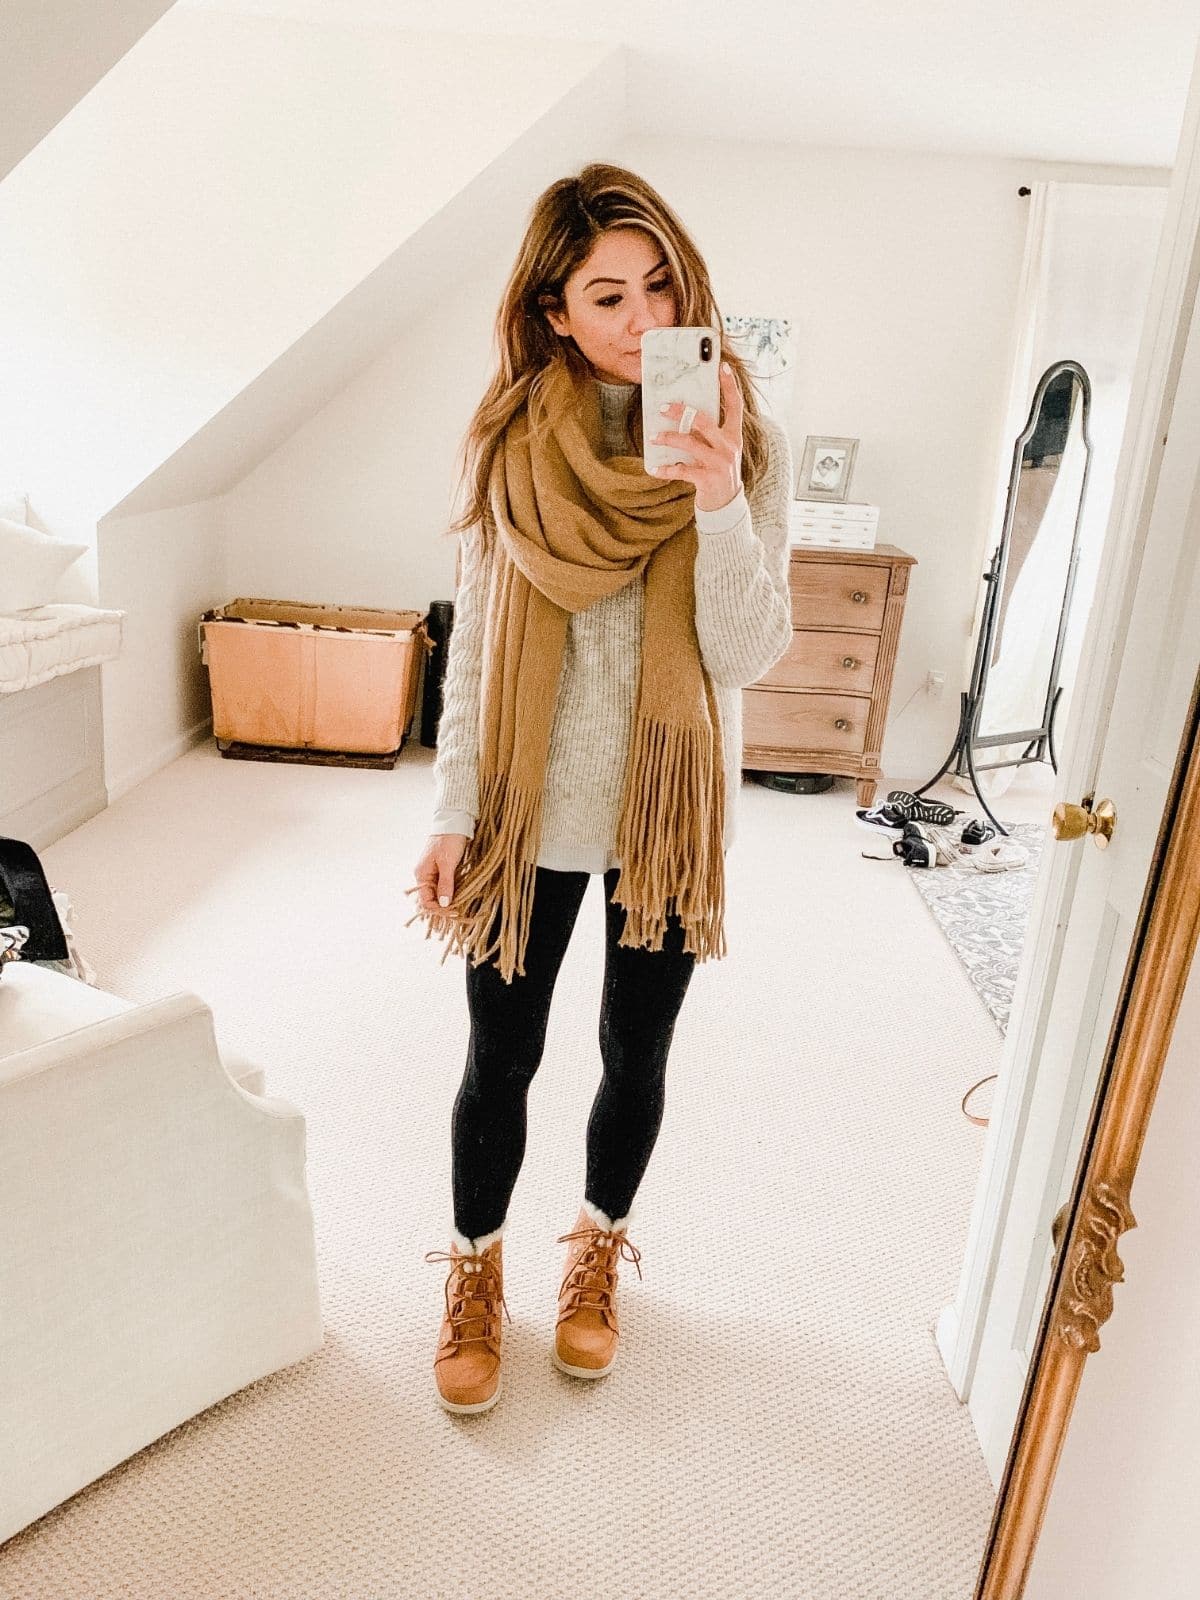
1010 707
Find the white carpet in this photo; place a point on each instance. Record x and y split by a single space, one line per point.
778 1423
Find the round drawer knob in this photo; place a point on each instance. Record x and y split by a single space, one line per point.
859 597
849 662
841 725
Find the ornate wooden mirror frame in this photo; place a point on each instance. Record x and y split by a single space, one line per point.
1086 1266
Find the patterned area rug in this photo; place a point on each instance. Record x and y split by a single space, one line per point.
984 916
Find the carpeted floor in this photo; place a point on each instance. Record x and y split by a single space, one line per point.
778 1423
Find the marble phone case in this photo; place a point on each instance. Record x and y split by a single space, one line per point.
672 369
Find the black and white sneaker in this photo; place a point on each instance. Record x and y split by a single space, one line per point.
916 809
977 831
880 819
926 844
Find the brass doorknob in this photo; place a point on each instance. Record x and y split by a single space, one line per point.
859 597
1074 822
841 724
849 661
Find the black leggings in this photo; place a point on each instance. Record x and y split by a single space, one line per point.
643 991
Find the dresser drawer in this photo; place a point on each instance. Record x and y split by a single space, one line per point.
826 661
833 594
785 719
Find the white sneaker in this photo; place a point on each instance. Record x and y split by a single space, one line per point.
997 855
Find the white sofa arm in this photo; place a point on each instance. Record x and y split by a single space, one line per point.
38 1004
156 1244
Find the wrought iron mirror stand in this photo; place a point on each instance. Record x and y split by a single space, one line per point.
1037 743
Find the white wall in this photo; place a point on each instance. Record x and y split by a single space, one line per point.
163 569
1121 1523
901 273
225 185
352 508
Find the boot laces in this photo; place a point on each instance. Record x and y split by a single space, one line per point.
594 1271
476 1281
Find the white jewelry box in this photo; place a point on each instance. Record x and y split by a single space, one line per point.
837 510
833 524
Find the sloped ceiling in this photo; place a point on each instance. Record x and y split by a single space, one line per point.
170 253
1070 80
1029 80
52 52
473 223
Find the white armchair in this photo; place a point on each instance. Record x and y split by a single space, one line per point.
156 1238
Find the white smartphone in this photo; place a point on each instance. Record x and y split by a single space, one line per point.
677 364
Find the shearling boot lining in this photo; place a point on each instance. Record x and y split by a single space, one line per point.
603 1220
472 1247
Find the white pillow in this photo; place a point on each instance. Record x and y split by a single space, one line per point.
13 506
31 563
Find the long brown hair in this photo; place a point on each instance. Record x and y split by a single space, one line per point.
565 222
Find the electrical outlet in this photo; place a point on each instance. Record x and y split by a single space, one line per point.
935 683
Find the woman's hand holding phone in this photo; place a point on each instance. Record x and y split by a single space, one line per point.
716 470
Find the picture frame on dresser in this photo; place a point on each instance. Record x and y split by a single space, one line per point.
826 467
823 707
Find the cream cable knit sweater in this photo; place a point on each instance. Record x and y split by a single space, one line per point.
744 625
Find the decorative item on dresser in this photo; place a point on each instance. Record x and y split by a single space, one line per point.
826 466
848 525
823 706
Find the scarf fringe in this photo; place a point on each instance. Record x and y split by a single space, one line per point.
496 876
671 839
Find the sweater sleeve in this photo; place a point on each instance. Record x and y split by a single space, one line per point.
743 603
456 765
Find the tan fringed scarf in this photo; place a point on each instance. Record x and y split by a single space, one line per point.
573 527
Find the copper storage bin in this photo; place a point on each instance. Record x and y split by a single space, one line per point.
294 677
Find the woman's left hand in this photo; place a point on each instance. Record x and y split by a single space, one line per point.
717 448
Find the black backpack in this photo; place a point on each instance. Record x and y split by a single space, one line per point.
25 900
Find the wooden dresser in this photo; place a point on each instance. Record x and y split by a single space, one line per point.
824 705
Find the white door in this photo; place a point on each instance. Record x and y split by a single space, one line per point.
1137 673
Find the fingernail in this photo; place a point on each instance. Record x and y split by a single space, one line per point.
725 367
444 900
665 408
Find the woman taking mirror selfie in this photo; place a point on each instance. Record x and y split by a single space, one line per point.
605 625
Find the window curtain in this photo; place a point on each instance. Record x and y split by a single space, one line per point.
1089 258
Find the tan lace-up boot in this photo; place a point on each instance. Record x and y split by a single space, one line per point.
587 1331
466 1367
